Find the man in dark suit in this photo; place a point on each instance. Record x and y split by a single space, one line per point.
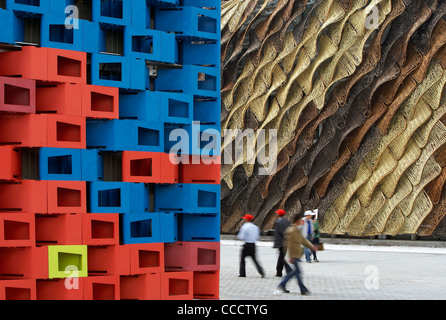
279 230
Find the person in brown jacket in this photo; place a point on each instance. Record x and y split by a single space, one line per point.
293 242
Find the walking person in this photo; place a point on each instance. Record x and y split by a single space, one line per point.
293 243
279 230
250 234
316 238
308 232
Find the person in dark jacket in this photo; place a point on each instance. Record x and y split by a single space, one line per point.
279 230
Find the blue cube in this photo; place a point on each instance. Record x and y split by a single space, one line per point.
149 227
207 111
190 22
197 228
92 165
60 164
199 53
118 197
196 80
151 45
40 7
8 26
188 198
140 228
111 71
122 135
169 227
55 34
203 3
117 12
168 107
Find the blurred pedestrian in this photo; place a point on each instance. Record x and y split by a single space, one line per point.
316 237
279 229
293 242
308 232
250 234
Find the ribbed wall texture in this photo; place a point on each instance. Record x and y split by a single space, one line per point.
355 90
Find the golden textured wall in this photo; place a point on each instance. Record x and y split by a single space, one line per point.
360 112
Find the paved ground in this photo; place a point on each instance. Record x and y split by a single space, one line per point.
345 272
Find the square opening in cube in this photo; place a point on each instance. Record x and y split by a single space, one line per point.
207 82
45 223
206 257
69 67
141 167
68 197
68 132
16 95
207 199
84 8
61 34
103 291
141 229
102 229
112 8
31 26
148 137
35 3
12 293
149 259
102 102
178 287
68 260
110 71
60 165
113 41
142 44
16 230
178 108
109 198
207 24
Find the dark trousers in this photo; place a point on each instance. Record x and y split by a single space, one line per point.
249 250
281 262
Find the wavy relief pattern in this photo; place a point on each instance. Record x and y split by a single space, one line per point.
359 112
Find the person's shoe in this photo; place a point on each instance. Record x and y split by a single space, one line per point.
240 276
262 275
278 275
283 289
306 293
308 261
316 260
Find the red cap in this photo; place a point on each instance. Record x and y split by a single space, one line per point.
281 212
248 217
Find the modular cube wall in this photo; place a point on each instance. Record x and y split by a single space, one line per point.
100 198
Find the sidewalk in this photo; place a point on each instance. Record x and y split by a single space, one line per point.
345 272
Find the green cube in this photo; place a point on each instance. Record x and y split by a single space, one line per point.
67 261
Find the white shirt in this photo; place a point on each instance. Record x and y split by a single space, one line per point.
305 227
249 233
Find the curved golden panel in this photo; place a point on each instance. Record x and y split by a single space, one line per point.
359 112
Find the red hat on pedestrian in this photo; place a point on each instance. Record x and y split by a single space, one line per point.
248 217
281 212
